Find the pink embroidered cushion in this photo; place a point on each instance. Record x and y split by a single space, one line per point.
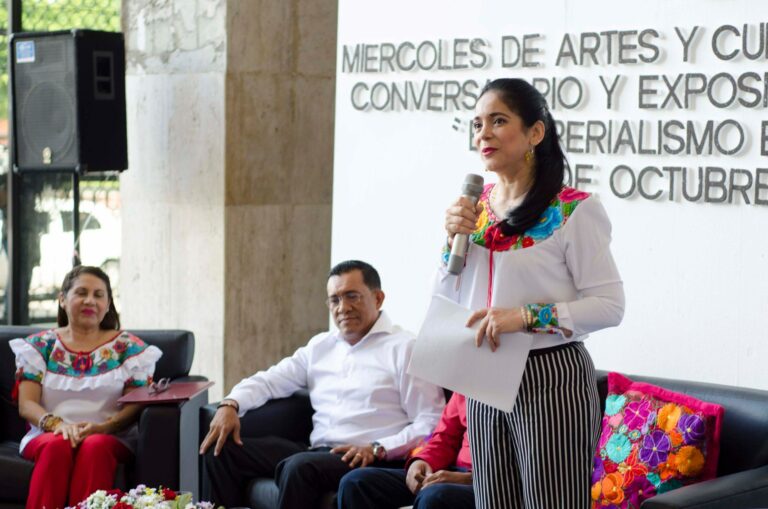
653 440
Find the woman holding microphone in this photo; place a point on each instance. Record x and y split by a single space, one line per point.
539 262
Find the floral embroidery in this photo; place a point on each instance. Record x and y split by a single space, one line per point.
668 416
545 319
550 220
21 374
82 362
655 448
648 446
58 355
614 403
106 358
618 448
488 234
689 461
693 428
636 414
611 488
133 382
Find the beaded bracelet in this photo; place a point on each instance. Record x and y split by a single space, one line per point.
48 422
42 420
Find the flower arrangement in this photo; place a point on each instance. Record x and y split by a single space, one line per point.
141 497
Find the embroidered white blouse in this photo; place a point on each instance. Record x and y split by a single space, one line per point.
561 269
84 386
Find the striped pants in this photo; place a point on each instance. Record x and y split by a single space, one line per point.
539 456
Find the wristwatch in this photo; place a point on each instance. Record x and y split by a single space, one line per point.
229 402
379 452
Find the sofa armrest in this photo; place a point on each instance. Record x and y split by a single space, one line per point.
191 378
166 453
289 418
742 490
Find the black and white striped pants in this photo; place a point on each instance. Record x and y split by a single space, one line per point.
539 456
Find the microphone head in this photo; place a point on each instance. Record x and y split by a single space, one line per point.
473 185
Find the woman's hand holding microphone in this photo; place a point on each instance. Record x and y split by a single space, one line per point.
461 218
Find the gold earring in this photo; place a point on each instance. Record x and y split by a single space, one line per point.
529 155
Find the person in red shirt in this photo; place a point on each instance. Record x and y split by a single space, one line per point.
437 476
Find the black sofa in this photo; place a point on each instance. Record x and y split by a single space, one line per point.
167 450
742 481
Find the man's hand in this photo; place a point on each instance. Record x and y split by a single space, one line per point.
446 476
417 472
224 422
356 456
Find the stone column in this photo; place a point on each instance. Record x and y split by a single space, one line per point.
227 202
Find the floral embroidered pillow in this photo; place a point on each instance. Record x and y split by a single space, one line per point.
653 440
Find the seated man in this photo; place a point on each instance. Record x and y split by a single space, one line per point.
367 408
424 482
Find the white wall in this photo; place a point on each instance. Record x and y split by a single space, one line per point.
694 272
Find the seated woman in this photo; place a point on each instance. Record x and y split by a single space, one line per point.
69 380
437 476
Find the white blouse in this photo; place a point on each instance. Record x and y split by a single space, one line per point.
560 267
84 386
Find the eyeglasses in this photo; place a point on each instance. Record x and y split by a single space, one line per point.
161 385
352 298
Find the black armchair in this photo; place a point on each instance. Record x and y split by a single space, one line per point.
167 449
289 418
742 472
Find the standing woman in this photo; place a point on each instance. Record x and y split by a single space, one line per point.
69 381
539 263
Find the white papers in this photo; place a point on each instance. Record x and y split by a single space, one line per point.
445 354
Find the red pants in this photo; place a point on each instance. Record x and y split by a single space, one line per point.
60 469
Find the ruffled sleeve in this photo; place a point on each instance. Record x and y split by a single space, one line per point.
140 361
31 357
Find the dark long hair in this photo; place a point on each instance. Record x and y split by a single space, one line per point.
549 159
111 320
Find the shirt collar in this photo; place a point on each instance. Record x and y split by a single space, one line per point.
383 325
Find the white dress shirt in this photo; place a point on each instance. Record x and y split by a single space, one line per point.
359 393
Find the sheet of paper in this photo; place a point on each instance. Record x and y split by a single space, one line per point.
445 354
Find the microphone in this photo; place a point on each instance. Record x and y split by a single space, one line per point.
472 189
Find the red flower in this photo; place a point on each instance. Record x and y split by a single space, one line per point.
169 494
58 355
82 362
528 242
569 194
122 505
609 466
495 240
119 346
631 468
116 492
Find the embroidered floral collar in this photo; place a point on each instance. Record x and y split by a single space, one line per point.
107 357
489 235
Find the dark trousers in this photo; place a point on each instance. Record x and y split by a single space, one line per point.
302 475
385 488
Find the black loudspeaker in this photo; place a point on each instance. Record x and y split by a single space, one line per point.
68 97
